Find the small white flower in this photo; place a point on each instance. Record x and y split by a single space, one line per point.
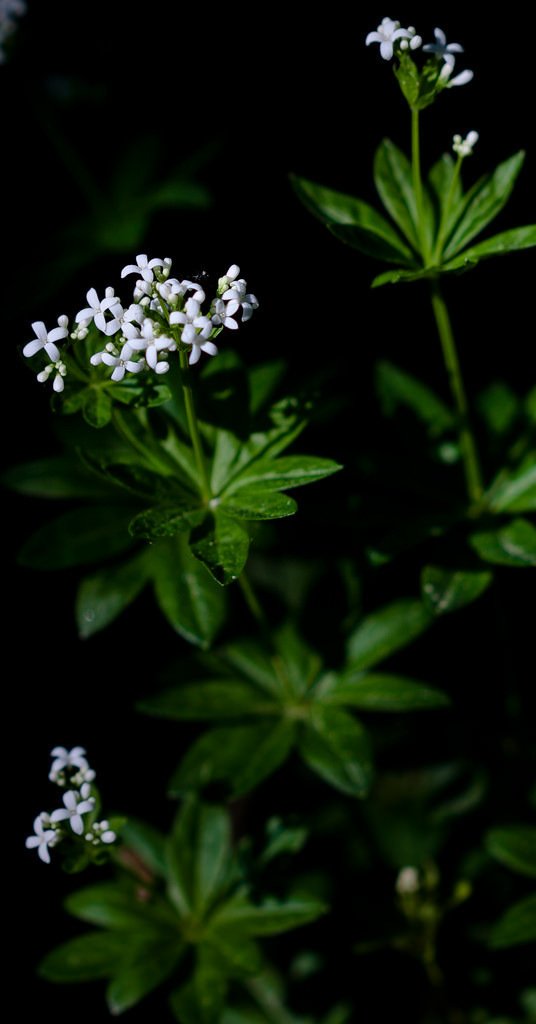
97 310
75 805
386 35
121 360
144 267
227 279
413 41
407 881
61 372
64 758
46 339
152 345
233 299
464 147
196 330
443 49
43 839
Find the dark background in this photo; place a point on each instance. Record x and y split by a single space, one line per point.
261 91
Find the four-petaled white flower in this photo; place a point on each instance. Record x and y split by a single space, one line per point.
75 805
232 300
144 267
43 839
443 49
97 309
386 35
464 147
64 758
47 339
152 344
121 359
196 330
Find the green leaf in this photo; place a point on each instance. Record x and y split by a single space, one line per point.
263 380
142 973
60 477
447 187
209 699
158 522
396 387
222 545
147 843
396 276
273 748
97 408
223 754
86 958
353 221
508 241
446 590
240 955
336 747
117 907
517 493
198 855
250 658
300 665
270 917
386 631
517 926
513 544
102 597
394 182
210 983
79 537
232 455
382 692
514 846
252 503
283 473
193 604
483 202
499 406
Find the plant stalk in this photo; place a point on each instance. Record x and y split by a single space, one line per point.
417 184
193 427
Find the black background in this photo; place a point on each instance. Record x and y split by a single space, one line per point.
268 89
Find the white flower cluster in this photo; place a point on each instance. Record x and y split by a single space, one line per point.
69 768
10 10
464 147
392 37
166 315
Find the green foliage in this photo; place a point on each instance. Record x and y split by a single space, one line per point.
515 847
202 906
517 926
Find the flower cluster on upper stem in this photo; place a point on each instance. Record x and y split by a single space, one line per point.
393 39
464 147
70 770
165 316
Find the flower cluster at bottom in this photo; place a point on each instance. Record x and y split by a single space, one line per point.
75 819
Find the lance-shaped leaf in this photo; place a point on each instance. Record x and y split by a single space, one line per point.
256 503
513 544
483 202
232 455
86 958
517 491
446 187
268 918
191 601
446 590
381 692
515 847
336 747
97 407
221 544
166 521
102 597
397 276
121 908
396 387
198 855
240 756
210 699
513 240
283 473
79 537
394 182
517 926
386 631
272 750
354 222
59 477
147 843
142 972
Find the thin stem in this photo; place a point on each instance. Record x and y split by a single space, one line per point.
150 459
252 601
473 478
417 183
446 210
193 427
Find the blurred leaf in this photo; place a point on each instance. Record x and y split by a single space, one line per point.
483 202
60 477
499 407
253 661
90 956
516 926
353 221
239 755
379 692
142 973
386 631
273 748
517 493
191 601
396 387
514 846
394 183
336 747
270 917
300 665
209 699
263 380
198 854
282 839
97 407
395 276
110 905
102 597
147 843
255 504
81 536
222 545
513 544
446 590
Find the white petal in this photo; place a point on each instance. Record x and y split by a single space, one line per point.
455 48
188 334
93 299
32 347
108 836
108 359
230 323
31 842
131 269
147 275
100 322
43 853
195 355
57 333
178 318
39 330
133 367
84 314
58 383
77 824
386 50
462 79
117 375
440 36
52 352
61 752
210 348
233 272
60 815
162 367
157 263
372 37
151 356
232 307
112 327
96 359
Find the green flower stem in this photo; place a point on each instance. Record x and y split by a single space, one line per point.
193 427
446 211
468 450
417 183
